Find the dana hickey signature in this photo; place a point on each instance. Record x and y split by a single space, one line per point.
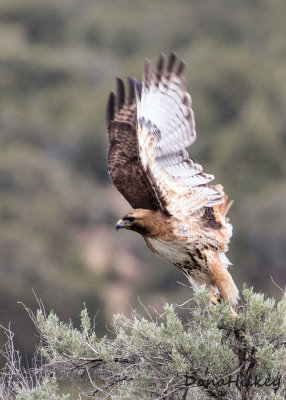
236 380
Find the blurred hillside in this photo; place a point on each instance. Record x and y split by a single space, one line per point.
58 61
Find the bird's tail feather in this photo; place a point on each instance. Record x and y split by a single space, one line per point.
222 278
225 206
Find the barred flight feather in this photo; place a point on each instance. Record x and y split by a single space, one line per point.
166 126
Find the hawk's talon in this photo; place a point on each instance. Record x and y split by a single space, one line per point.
232 312
215 299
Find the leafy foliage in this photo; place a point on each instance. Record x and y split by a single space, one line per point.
210 354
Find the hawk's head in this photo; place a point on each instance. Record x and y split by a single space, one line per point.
145 222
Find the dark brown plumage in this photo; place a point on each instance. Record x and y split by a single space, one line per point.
123 164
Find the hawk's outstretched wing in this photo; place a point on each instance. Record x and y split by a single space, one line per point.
165 127
125 170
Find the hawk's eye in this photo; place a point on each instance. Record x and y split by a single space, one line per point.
130 219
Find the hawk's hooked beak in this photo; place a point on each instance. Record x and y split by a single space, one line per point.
122 224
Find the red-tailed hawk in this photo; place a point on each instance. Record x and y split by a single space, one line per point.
181 216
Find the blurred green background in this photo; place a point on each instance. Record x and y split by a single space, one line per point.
58 62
